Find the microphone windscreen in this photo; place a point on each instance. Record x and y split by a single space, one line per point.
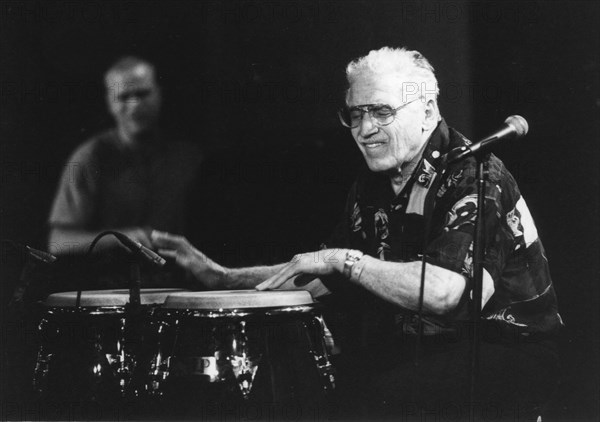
519 124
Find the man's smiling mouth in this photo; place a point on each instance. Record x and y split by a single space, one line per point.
373 145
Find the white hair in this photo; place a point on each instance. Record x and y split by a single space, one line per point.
415 74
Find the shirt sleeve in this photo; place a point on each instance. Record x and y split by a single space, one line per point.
75 199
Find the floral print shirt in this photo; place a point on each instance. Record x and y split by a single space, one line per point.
391 227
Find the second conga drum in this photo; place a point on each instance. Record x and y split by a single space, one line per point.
232 350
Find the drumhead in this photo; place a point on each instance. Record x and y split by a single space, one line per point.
237 299
101 298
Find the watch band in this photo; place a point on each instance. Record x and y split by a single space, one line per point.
352 257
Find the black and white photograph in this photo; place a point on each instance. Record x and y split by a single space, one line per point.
299 210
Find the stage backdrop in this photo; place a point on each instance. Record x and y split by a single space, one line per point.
257 83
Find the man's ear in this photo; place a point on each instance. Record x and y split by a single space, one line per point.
432 115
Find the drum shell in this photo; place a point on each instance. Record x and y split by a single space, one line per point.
79 351
285 344
97 351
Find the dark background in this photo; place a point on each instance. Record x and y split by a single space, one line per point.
257 83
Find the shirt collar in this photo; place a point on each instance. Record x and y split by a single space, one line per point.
437 145
377 185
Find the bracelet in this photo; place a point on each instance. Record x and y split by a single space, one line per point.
352 257
357 269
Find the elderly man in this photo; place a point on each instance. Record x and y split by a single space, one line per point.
131 178
372 265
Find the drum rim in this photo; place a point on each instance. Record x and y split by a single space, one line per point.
95 310
179 300
62 298
239 312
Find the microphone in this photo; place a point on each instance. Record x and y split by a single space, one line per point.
40 256
513 127
140 250
16 305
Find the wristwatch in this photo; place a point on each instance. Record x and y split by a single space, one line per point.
352 257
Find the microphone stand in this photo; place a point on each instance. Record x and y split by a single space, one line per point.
131 331
16 306
514 126
135 283
482 176
131 325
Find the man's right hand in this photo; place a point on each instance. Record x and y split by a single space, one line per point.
208 272
139 234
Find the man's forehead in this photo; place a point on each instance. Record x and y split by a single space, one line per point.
389 80
139 74
374 88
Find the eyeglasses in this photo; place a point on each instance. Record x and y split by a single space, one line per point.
383 114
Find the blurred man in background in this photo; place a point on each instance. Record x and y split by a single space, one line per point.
131 178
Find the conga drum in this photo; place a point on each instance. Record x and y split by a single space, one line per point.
92 352
242 349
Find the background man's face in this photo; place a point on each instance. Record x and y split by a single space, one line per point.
387 147
134 99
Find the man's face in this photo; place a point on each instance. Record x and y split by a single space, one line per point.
133 99
385 148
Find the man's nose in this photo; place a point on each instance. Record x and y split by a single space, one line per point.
367 127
